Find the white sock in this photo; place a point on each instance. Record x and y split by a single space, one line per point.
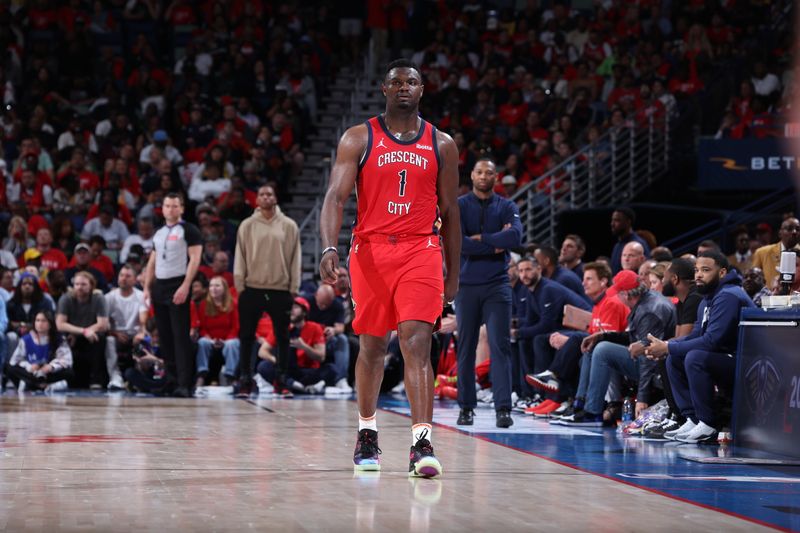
421 431
369 422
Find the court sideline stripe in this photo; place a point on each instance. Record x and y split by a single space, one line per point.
265 408
585 471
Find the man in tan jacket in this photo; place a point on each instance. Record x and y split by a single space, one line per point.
266 273
768 258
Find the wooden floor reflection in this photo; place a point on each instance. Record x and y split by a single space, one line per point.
124 463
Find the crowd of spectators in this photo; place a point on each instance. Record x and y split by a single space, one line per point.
109 106
530 87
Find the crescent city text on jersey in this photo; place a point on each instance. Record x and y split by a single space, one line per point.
403 157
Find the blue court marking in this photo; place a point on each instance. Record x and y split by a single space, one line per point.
768 495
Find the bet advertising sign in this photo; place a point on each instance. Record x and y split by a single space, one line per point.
756 164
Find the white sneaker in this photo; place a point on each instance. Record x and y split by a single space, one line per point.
682 431
263 386
316 388
343 385
22 386
116 383
702 432
56 386
400 388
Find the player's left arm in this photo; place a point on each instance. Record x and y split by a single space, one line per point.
447 189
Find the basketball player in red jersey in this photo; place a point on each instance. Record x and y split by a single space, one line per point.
406 173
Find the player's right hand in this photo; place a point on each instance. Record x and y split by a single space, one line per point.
328 267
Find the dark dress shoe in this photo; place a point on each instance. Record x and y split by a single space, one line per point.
183 392
466 417
504 419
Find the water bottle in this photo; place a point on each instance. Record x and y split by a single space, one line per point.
627 411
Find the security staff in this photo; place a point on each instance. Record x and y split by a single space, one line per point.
490 227
168 279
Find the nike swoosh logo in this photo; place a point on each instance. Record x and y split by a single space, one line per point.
516 216
547 305
522 299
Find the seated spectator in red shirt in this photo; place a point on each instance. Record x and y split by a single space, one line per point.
625 91
32 160
514 112
455 119
77 167
686 82
235 206
763 122
219 267
308 371
538 160
742 104
81 259
229 116
51 258
100 260
608 314
719 32
120 175
534 126
596 48
36 195
649 108
215 325
731 127
69 199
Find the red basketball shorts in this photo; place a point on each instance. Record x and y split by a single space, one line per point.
395 280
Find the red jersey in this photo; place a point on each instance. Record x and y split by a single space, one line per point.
53 259
312 333
396 183
609 314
